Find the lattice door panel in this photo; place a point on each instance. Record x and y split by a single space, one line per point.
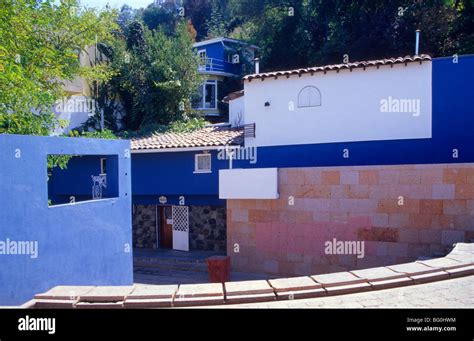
180 228
180 218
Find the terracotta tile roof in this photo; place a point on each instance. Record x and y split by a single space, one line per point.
206 137
232 96
337 67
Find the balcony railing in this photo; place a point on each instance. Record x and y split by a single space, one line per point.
216 65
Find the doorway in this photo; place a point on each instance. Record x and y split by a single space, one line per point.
165 224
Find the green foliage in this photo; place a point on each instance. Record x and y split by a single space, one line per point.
299 33
216 26
105 134
60 161
182 126
39 46
155 76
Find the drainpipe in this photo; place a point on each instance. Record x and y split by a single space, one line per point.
417 43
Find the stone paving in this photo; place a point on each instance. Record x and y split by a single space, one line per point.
378 284
452 293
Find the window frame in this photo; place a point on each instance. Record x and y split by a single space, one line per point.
103 166
309 106
202 102
196 163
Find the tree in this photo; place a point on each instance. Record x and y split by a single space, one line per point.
216 25
155 77
161 16
199 12
39 46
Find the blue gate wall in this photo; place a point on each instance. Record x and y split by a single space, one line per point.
87 243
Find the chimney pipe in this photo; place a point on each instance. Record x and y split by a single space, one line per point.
417 44
257 65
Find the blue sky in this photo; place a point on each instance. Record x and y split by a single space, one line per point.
116 3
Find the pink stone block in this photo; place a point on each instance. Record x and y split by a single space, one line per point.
349 177
379 192
410 177
379 220
240 215
397 249
444 191
349 205
367 205
339 191
411 191
454 207
432 176
449 237
312 176
470 207
389 177
398 220
407 235
430 236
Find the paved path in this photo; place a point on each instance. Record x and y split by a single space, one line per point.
452 293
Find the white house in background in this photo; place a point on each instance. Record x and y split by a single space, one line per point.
386 99
77 105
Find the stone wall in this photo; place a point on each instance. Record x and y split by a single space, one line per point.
399 212
144 226
207 228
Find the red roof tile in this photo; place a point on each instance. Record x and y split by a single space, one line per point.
206 137
337 67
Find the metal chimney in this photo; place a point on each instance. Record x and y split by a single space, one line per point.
417 43
257 65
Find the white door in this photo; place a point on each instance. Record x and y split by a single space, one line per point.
180 228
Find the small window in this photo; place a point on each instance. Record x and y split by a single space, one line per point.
202 55
202 163
309 96
103 166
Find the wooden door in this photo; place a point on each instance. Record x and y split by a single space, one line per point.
166 227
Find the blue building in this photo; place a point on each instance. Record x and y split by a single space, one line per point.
292 119
221 59
78 236
176 196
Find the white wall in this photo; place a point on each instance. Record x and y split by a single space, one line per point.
236 112
251 183
350 109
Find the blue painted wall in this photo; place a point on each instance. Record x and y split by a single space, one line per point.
78 244
172 175
76 179
453 127
217 51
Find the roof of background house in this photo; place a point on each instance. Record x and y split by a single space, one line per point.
232 96
224 40
207 137
337 67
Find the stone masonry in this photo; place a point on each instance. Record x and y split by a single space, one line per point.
400 212
207 230
144 226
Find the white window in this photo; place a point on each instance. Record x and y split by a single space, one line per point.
202 56
309 96
207 97
202 163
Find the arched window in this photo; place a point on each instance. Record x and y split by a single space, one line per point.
309 96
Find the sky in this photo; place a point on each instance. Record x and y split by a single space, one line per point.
116 3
